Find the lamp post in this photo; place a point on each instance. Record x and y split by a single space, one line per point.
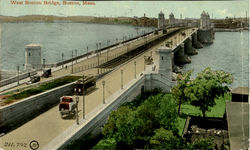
100 45
98 61
107 55
62 56
87 51
83 100
77 115
76 54
103 92
121 79
72 61
43 63
17 75
144 63
135 68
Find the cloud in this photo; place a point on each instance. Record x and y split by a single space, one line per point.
224 12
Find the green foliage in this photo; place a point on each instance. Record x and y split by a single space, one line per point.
207 86
178 90
108 143
203 144
165 139
134 127
42 88
218 110
141 98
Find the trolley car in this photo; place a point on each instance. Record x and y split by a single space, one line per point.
84 86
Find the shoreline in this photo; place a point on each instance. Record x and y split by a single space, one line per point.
229 30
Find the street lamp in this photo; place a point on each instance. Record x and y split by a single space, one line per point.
77 115
83 99
62 56
100 45
98 59
17 75
135 68
76 54
103 94
43 63
121 79
144 63
87 51
72 61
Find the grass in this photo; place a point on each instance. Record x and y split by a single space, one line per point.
217 111
180 125
41 88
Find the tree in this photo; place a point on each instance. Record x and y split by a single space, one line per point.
204 143
207 86
165 139
179 89
134 128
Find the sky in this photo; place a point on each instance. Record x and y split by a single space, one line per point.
189 9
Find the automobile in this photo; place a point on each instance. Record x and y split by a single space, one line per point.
34 79
67 106
47 73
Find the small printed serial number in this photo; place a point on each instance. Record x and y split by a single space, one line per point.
13 144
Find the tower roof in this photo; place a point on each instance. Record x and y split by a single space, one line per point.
203 13
172 15
161 13
32 45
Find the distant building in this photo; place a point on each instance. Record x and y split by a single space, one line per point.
161 20
172 20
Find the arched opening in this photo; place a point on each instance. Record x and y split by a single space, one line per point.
142 90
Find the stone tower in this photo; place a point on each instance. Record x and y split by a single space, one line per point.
33 57
171 20
161 20
205 21
165 61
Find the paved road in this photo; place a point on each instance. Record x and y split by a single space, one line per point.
49 125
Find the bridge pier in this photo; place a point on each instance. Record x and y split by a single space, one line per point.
180 57
196 43
205 36
189 49
165 61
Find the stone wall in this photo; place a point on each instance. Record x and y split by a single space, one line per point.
15 78
20 112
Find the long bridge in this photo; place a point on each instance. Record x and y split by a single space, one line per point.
124 76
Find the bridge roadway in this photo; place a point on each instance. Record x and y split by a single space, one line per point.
88 64
49 125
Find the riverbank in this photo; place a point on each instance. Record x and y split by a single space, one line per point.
229 30
143 21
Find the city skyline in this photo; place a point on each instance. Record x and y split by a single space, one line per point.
188 9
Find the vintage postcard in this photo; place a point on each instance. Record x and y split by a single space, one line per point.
124 75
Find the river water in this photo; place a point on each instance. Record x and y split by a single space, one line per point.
229 52
57 38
